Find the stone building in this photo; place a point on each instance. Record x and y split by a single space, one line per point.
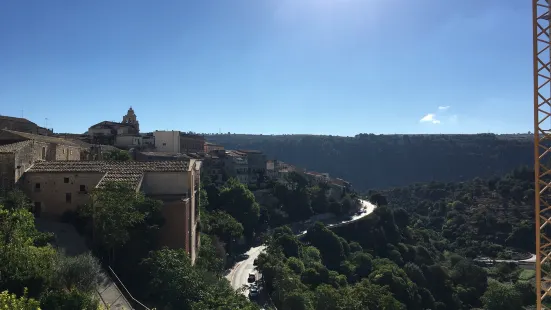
256 165
130 119
209 147
224 164
192 143
178 142
158 156
58 187
19 150
106 132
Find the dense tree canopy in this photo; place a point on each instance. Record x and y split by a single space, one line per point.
414 252
381 161
30 267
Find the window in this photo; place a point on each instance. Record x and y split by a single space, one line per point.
37 187
43 152
83 188
164 144
63 151
68 197
65 180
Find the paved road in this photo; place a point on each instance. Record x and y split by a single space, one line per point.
240 271
531 260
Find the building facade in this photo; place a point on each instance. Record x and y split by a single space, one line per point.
106 132
178 142
19 151
192 143
210 147
167 141
256 161
58 187
130 119
128 141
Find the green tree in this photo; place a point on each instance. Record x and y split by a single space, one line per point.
114 211
239 202
225 227
16 199
12 302
174 284
22 263
82 272
69 300
501 296
117 155
211 257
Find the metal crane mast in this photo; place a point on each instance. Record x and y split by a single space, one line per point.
542 147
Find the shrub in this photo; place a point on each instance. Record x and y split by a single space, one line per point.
82 272
12 302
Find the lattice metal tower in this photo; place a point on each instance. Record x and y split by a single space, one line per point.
542 149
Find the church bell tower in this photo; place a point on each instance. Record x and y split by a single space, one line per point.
130 119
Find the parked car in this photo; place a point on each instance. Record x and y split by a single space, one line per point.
251 278
253 292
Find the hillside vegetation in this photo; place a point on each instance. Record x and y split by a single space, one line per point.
414 252
382 161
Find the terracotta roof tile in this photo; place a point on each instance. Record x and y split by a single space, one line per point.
115 171
132 178
110 166
12 147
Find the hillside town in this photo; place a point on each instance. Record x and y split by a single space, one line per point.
57 171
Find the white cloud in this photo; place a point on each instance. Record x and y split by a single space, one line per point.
443 108
430 118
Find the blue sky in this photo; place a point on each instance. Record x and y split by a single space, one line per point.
336 67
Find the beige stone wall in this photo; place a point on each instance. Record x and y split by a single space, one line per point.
51 190
175 232
7 173
128 141
167 141
166 183
64 152
99 131
192 144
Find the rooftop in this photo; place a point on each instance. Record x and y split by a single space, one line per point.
40 138
12 147
112 125
110 166
114 171
250 151
234 153
165 154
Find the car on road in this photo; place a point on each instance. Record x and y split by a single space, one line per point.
251 278
253 292
242 257
255 262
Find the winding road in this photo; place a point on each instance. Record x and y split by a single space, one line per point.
240 271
